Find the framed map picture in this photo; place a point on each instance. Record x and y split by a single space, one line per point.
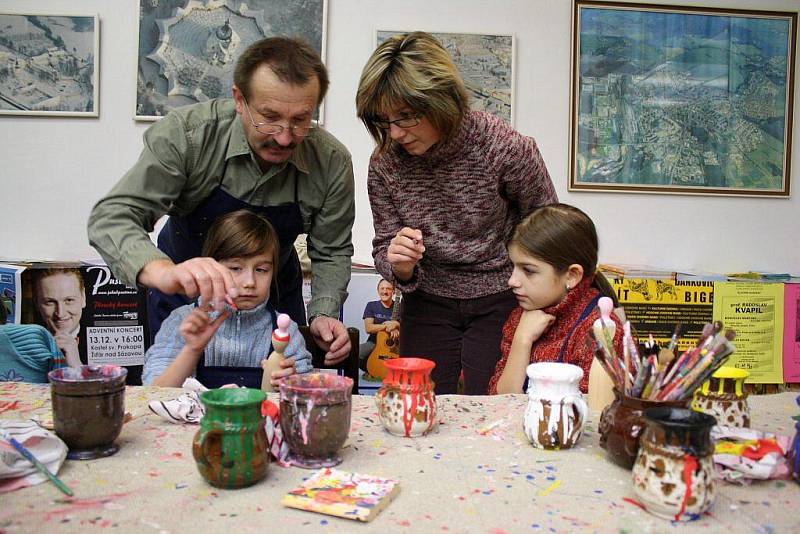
693 100
188 48
48 64
486 64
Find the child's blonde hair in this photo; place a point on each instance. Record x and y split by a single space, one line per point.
562 235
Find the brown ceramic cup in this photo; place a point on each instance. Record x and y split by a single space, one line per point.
88 408
315 417
622 422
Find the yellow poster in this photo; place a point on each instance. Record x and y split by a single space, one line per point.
655 306
755 311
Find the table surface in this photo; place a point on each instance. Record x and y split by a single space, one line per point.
461 478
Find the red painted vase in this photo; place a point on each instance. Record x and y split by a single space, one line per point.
406 402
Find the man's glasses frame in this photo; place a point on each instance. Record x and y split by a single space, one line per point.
271 128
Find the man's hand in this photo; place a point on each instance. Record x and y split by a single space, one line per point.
331 335
198 276
68 345
404 252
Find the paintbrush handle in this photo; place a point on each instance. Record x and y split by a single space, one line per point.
40 466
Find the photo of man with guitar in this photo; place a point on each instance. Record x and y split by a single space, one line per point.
382 324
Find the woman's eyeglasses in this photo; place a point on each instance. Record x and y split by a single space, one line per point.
271 128
402 122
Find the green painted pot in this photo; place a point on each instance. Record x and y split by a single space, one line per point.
231 449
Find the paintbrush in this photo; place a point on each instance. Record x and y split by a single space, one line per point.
641 377
28 455
600 355
666 355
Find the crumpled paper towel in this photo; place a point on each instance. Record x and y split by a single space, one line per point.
742 455
15 470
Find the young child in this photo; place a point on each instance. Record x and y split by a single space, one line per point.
227 347
554 253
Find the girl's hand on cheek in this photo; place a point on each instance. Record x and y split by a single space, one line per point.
534 323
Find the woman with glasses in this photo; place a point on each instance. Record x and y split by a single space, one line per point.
257 151
447 186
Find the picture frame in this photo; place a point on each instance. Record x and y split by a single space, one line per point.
681 100
49 64
486 63
176 68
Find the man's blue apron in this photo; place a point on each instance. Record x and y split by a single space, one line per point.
182 239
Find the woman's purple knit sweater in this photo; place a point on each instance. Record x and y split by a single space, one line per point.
466 196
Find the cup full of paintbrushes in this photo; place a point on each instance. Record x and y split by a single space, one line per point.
653 377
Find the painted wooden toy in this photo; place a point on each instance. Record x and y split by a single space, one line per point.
406 402
280 338
556 412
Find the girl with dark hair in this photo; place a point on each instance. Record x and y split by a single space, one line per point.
228 346
554 253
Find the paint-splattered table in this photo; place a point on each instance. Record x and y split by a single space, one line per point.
476 474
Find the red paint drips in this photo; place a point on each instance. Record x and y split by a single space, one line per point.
412 377
689 467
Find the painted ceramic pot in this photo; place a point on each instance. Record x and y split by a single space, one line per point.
621 423
231 449
88 408
406 402
793 454
673 476
556 412
315 417
723 397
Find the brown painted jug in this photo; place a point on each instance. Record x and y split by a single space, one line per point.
315 417
723 397
231 449
406 402
673 476
88 408
622 422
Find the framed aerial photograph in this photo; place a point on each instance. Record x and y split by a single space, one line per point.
49 64
486 63
687 100
188 48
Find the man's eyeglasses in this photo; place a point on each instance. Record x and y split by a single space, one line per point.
402 122
271 128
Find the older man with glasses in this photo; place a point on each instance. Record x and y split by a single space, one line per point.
261 151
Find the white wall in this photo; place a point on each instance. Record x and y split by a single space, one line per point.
52 170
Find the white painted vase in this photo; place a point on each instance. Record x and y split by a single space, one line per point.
556 411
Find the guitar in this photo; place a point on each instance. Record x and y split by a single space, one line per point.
386 348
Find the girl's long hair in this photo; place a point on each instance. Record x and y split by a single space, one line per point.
560 234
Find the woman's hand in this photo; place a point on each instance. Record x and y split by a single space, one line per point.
198 328
532 324
404 252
